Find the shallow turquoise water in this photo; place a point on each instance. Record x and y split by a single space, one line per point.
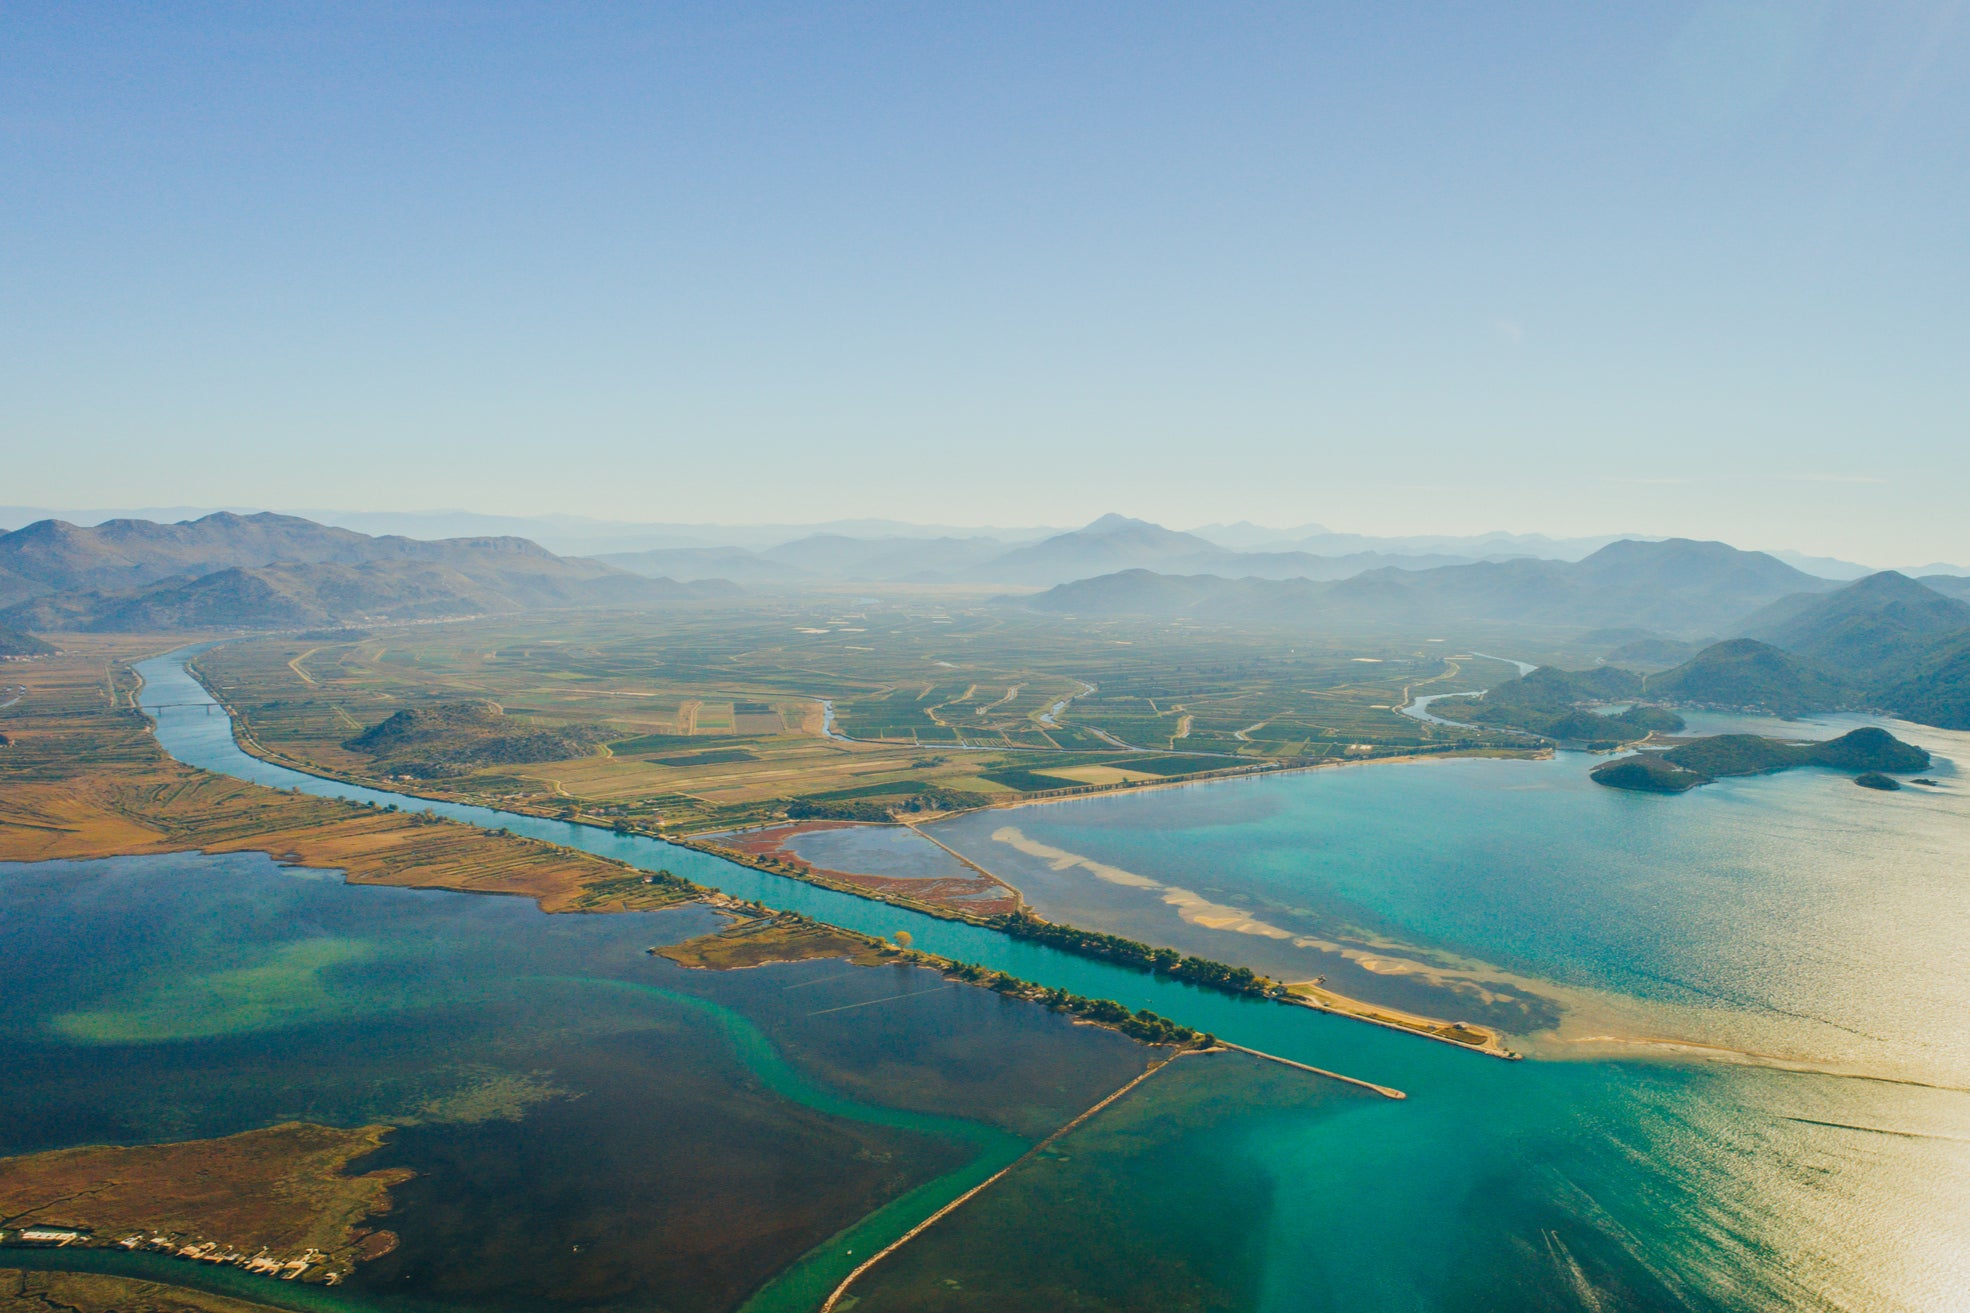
1795 913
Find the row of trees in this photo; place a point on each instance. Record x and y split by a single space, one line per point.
806 809
843 809
1129 953
1143 1024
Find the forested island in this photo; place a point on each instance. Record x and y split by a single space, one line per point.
1868 750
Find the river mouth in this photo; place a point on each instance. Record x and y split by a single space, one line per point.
1531 1178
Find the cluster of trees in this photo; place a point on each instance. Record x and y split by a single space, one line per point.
1128 952
944 800
669 879
806 809
1143 1024
932 799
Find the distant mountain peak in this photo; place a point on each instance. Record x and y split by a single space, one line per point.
1659 548
1114 521
1889 583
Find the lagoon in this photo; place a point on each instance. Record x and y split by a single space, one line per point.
1618 1180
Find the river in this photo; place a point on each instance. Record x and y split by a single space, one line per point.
1631 1183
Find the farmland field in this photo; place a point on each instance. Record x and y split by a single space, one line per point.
717 718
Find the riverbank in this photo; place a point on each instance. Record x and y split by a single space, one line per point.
1474 1038
209 742
1585 1012
1257 771
1481 1039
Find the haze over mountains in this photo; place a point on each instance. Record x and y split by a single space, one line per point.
1794 642
874 550
1677 587
278 571
1799 643
1110 544
1886 642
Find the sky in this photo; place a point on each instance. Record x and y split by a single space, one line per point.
1691 268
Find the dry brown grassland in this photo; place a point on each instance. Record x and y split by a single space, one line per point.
81 777
277 1200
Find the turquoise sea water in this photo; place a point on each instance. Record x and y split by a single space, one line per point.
1781 910
1795 914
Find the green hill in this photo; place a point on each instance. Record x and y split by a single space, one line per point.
1870 624
14 643
1900 645
1557 704
1931 686
1866 750
449 737
1745 673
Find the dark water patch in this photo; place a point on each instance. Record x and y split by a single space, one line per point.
665 1183
897 1035
425 1004
1164 1178
591 1126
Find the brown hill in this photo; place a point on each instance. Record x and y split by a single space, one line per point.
278 571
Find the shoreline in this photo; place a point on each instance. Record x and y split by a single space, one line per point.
1592 1017
1242 774
1333 1003
1407 1023
1342 1005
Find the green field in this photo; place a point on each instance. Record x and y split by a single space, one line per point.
940 693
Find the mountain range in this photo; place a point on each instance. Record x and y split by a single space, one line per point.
1674 586
1799 642
1886 642
279 571
579 535
1874 623
1111 543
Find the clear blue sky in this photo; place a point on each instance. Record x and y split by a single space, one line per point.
1681 268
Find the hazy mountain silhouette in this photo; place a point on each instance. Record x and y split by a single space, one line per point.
1677 586
280 571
